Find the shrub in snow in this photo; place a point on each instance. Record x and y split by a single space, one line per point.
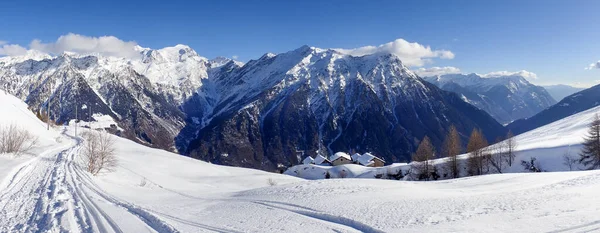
99 152
531 165
271 182
569 160
343 174
15 140
143 182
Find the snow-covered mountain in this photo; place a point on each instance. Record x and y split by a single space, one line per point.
261 113
142 95
253 115
560 91
506 98
570 105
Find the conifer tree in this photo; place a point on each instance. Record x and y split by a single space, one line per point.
590 154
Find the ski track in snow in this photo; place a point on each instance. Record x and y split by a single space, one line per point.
52 193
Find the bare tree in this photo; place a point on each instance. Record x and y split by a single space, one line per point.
511 146
99 152
568 160
477 162
452 147
16 140
421 160
497 154
590 154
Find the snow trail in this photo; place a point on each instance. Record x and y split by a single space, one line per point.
52 193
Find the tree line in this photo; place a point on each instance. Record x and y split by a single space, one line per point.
483 158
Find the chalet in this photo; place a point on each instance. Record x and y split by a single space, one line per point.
355 157
320 160
340 158
308 160
370 160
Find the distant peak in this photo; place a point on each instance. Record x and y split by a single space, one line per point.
182 46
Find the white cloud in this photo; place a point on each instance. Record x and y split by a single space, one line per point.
523 73
235 57
12 50
595 65
411 54
3 42
104 45
433 71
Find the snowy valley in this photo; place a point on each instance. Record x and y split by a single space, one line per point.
151 190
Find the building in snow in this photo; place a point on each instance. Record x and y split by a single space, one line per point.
320 160
369 160
308 160
340 158
355 157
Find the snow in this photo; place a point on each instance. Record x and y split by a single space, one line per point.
153 190
319 159
366 159
339 155
100 122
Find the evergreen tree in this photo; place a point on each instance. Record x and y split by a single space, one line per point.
590 154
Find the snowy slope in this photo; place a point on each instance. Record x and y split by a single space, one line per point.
156 191
575 103
14 112
200 197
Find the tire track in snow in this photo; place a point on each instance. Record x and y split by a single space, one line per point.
145 216
91 208
336 220
85 182
23 203
49 194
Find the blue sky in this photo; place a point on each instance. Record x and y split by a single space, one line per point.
554 39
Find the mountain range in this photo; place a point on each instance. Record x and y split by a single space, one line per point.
560 91
259 114
575 103
142 95
505 97
299 100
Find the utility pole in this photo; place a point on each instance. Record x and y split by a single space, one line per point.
90 116
84 107
76 107
48 109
